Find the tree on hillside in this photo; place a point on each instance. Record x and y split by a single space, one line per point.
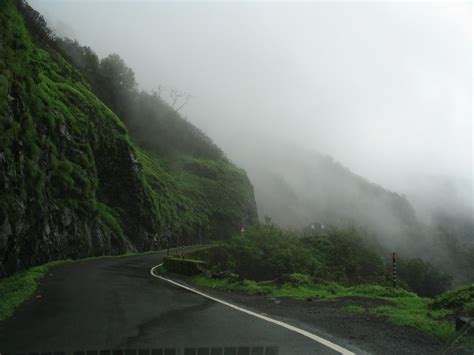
82 57
177 99
118 83
153 121
119 75
36 23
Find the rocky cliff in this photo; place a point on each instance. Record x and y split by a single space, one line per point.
74 184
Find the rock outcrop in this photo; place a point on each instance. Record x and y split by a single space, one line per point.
73 184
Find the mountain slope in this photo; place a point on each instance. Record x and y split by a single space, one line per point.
297 188
73 184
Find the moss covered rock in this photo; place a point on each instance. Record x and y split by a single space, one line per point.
72 182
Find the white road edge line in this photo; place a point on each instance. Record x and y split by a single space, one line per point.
303 332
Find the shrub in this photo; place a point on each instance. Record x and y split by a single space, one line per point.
297 279
460 300
267 253
422 278
345 256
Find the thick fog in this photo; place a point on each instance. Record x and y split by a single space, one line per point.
384 88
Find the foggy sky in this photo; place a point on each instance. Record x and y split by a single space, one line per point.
385 88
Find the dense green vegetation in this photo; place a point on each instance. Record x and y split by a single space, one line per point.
200 198
340 255
422 277
52 130
460 300
73 183
269 261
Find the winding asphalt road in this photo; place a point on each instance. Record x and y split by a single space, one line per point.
113 306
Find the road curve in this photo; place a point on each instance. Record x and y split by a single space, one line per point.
113 306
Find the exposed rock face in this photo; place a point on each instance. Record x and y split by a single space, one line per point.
72 184
43 216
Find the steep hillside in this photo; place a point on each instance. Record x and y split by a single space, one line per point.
72 182
297 188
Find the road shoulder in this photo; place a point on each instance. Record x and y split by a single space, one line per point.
360 332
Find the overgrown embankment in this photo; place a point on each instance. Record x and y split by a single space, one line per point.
338 265
72 181
341 255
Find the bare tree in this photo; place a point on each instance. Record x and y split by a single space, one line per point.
186 99
177 99
175 96
158 91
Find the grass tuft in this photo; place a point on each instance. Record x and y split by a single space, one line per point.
353 308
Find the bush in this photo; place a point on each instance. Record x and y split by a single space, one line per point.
252 288
422 278
345 256
184 266
297 279
460 300
267 253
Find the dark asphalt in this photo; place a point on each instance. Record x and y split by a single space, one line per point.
115 304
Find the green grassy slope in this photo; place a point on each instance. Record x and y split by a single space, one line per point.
73 184
200 198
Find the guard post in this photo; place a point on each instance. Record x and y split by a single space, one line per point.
394 269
